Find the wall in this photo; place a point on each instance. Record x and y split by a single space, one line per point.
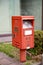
4 17
8 8
33 7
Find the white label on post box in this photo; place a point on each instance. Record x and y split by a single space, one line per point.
28 48
28 32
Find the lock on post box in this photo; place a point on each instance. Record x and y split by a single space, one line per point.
23 34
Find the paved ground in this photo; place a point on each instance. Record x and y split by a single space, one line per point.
42 59
6 60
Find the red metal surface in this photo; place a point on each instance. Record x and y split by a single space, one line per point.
16 30
19 39
22 55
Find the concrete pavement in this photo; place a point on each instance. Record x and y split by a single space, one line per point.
6 60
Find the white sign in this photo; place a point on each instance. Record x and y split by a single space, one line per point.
28 32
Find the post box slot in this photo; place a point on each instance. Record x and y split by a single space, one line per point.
27 24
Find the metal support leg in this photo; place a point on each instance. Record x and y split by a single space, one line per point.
22 55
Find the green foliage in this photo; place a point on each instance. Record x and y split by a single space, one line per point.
38 42
9 50
27 63
28 57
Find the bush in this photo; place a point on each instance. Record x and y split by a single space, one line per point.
38 39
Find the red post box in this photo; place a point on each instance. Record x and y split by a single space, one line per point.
23 34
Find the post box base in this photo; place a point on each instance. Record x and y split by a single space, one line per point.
22 55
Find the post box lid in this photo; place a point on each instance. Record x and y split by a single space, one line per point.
24 17
27 17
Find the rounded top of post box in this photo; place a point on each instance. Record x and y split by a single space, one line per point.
24 17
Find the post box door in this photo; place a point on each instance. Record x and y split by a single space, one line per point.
28 33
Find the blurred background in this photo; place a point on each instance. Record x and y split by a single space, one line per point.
9 8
